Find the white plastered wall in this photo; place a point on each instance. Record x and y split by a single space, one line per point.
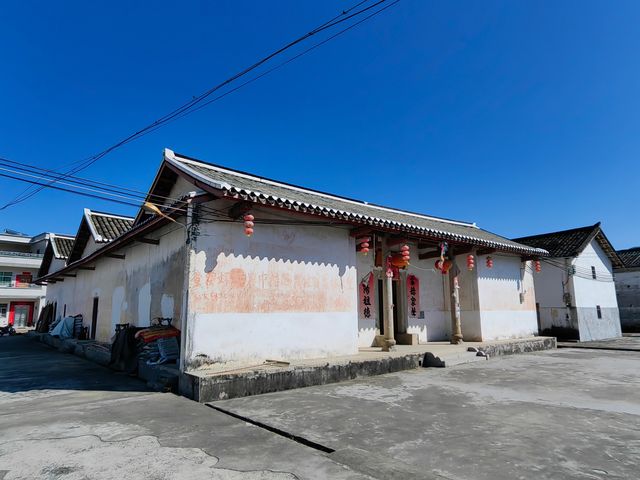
287 292
368 328
506 295
551 283
146 284
469 308
436 323
590 293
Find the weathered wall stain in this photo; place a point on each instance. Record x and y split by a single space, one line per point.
251 284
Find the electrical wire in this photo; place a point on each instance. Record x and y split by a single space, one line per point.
579 273
99 189
211 215
187 108
25 167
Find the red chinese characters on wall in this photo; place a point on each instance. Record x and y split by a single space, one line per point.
413 296
366 297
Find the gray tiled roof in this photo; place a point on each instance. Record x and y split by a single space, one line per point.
63 245
108 227
260 190
630 257
570 243
566 243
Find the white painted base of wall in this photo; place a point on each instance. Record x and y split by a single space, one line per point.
367 332
498 325
256 337
556 317
436 326
594 328
471 327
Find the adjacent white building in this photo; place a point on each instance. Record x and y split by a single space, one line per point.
20 259
575 290
628 289
96 229
251 269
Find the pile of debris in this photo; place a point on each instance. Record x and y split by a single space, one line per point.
156 345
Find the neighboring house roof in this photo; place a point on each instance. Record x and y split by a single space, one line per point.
570 243
62 245
244 186
8 231
102 227
59 247
630 257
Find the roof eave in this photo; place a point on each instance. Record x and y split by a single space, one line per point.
226 190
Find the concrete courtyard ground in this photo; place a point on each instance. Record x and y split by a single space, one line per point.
563 414
62 417
570 413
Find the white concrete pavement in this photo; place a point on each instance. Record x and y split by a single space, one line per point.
62 417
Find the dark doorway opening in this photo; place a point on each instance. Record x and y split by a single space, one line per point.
94 318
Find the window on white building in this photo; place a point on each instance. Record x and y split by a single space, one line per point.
599 311
593 272
5 279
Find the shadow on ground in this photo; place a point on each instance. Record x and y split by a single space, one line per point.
28 366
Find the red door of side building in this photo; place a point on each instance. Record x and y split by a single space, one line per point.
21 314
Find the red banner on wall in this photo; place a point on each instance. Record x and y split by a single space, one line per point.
366 293
413 296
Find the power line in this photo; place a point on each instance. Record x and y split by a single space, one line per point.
74 183
25 167
99 197
209 214
188 107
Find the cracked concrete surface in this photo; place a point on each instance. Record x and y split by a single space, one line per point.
565 414
138 457
62 417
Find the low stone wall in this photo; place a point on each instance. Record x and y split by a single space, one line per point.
520 346
82 348
158 377
221 387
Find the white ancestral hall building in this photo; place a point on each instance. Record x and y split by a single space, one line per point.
302 284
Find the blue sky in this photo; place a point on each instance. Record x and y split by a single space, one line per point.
520 116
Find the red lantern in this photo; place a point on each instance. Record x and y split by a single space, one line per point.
446 266
248 224
362 245
398 260
470 262
489 262
406 254
537 266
